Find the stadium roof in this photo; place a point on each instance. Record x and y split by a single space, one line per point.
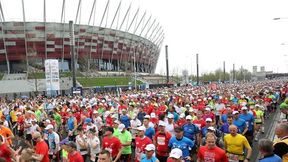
116 14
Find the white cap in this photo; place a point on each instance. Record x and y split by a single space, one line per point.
191 110
182 115
257 105
244 108
121 127
117 122
211 128
176 153
235 112
207 109
30 112
153 115
147 117
208 119
95 112
162 123
150 147
115 116
18 113
171 116
141 128
49 126
48 121
106 113
188 117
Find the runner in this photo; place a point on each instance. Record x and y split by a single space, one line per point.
183 143
211 152
161 141
235 145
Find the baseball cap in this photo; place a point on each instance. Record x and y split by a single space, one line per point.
117 122
162 123
176 153
208 119
170 116
207 109
88 120
153 115
211 128
49 126
141 128
147 117
244 108
115 116
188 117
150 147
47 121
235 112
182 115
121 127
95 112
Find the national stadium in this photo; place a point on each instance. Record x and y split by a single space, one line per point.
108 35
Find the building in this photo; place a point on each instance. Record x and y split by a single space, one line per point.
260 75
103 47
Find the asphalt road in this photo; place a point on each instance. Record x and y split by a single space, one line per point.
270 125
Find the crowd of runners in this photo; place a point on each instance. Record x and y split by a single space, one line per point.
216 123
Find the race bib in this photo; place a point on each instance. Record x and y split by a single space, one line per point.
161 140
233 158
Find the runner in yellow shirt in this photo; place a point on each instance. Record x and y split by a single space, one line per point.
235 144
259 121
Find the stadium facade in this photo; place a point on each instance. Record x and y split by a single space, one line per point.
108 49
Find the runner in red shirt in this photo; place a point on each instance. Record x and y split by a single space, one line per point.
122 106
211 152
73 154
161 140
5 152
112 144
141 141
199 120
181 121
41 148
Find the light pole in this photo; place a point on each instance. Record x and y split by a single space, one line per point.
135 72
197 68
72 50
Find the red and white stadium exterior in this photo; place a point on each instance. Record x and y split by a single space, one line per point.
110 49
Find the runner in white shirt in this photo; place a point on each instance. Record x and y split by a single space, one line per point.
170 124
35 127
93 145
81 143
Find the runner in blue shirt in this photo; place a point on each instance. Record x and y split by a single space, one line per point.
181 142
249 120
240 123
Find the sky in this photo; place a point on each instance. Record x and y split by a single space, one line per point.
240 32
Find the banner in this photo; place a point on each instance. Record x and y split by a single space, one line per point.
52 75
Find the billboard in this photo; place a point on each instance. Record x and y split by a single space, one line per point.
52 75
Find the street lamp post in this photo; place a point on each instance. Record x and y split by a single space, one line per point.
135 72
